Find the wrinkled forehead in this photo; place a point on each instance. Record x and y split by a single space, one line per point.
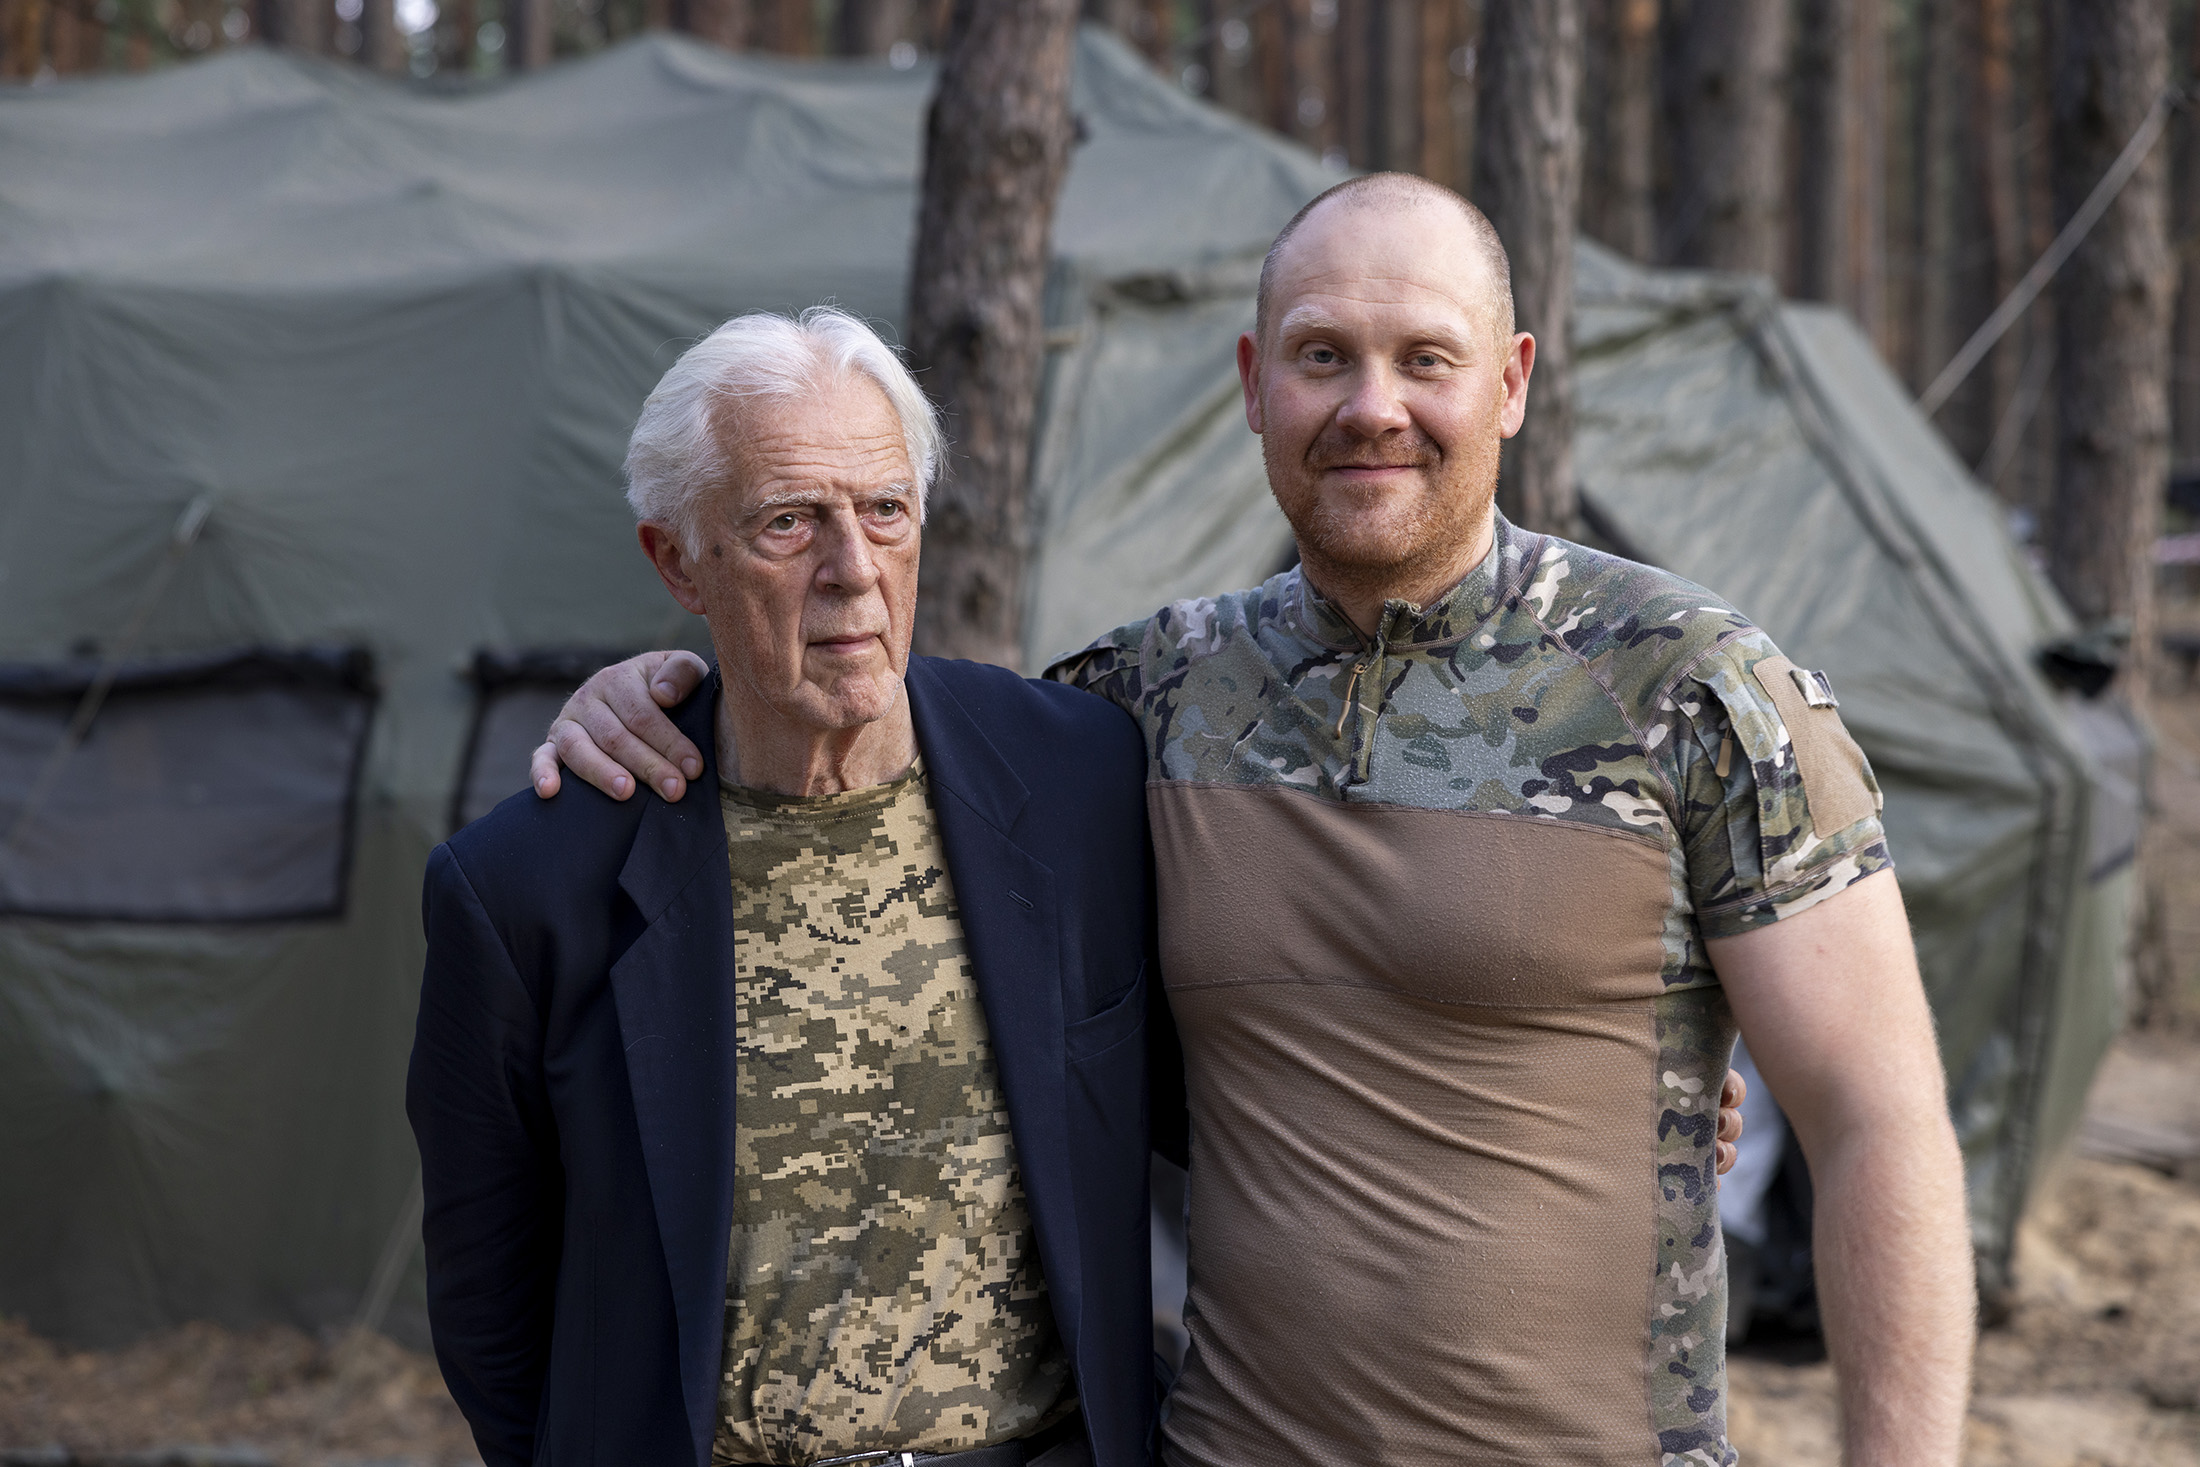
1399 260
840 440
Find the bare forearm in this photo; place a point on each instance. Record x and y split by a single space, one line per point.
1899 1319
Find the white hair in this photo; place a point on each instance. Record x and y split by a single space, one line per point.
675 452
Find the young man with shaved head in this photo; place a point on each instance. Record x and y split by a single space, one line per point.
1474 849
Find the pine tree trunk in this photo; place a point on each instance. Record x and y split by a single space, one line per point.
1357 82
1435 157
871 27
382 45
2111 60
1863 281
2185 242
1620 127
1527 178
1724 64
1823 91
1994 187
1397 56
997 143
1233 61
1932 163
527 26
727 23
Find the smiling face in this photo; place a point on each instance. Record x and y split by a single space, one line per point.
807 571
1381 392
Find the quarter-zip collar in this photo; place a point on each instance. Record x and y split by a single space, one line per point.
1405 627
1370 666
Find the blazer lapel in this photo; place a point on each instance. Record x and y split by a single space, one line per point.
674 992
1010 923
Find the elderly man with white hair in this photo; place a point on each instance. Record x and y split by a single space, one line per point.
802 1119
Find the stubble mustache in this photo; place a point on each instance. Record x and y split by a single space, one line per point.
1406 450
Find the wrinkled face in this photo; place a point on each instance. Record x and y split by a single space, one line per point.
1381 392
808 571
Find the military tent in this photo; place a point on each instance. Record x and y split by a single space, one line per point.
1764 450
309 512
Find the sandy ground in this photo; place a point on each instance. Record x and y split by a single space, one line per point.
2097 1366
2099 1362
272 1395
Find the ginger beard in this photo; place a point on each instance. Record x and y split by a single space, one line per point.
1365 538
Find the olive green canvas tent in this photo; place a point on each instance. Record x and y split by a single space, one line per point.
309 513
1764 450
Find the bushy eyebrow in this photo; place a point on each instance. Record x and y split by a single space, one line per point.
772 506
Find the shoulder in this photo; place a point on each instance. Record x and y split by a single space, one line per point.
1125 663
531 860
1030 720
1640 629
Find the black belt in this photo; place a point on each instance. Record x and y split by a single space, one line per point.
1006 1454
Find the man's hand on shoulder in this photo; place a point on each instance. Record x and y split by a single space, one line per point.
614 729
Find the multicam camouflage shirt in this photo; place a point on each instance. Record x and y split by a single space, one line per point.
1433 909
883 1280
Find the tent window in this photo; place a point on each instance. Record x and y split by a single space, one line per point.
518 693
210 789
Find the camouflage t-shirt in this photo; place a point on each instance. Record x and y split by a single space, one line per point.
883 1281
1433 909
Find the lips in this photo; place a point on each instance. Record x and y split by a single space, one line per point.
844 642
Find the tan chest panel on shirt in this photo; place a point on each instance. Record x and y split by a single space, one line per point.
1426 1090
1454 906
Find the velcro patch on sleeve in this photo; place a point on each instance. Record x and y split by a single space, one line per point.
1827 760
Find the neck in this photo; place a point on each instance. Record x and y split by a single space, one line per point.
1361 592
759 750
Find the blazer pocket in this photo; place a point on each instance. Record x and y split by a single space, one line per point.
1112 1025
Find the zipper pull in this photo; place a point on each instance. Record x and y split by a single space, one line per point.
1351 699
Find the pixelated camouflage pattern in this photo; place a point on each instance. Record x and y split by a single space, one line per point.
883 1280
1553 682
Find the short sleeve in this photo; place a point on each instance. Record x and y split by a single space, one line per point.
1779 808
1111 667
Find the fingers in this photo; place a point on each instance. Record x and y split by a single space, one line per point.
542 769
578 751
676 675
633 695
1731 1095
613 733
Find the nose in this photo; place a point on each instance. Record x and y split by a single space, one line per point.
847 562
1377 405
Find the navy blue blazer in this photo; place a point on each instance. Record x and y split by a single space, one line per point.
572 1073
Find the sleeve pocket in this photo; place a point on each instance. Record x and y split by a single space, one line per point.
1837 785
1117 1022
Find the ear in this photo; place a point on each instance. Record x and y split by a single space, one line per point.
1249 376
663 549
1519 363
